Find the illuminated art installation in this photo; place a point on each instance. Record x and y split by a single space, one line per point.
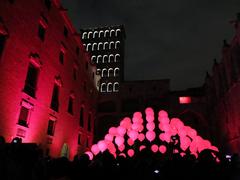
132 131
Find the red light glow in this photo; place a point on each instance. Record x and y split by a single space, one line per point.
185 100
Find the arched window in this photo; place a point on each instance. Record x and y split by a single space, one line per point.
104 72
111 58
117 44
111 45
88 46
109 87
94 46
106 33
117 32
99 58
93 59
100 34
105 46
100 46
84 35
117 58
112 32
90 34
116 72
95 34
103 87
110 72
105 57
116 87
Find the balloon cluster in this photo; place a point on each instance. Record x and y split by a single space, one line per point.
133 130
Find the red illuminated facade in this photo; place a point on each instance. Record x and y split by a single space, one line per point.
48 90
222 94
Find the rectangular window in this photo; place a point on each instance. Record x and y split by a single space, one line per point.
185 100
2 43
41 32
81 119
55 96
61 57
89 122
70 105
23 116
31 80
74 74
65 31
48 4
79 139
51 127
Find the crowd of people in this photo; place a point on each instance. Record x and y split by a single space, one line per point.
27 161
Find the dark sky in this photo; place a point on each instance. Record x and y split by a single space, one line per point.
176 39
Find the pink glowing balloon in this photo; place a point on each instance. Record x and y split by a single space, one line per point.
102 145
141 137
154 148
90 155
141 127
150 126
193 147
113 131
137 114
119 140
150 135
182 132
149 111
162 114
214 148
165 137
95 150
136 126
164 127
133 134
175 151
126 123
162 149
111 147
182 154
150 118
142 147
121 130
121 147
176 123
135 120
130 152
192 133
184 143
108 137
164 120
130 142
122 154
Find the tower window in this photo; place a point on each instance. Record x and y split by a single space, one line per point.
79 139
31 80
74 73
65 31
2 43
55 96
81 119
61 57
48 4
51 127
41 32
23 117
70 105
89 121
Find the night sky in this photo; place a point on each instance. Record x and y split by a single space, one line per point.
176 39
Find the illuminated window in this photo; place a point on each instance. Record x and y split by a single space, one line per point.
70 105
65 31
2 43
51 127
185 100
41 32
89 121
81 119
23 117
31 80
55 98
